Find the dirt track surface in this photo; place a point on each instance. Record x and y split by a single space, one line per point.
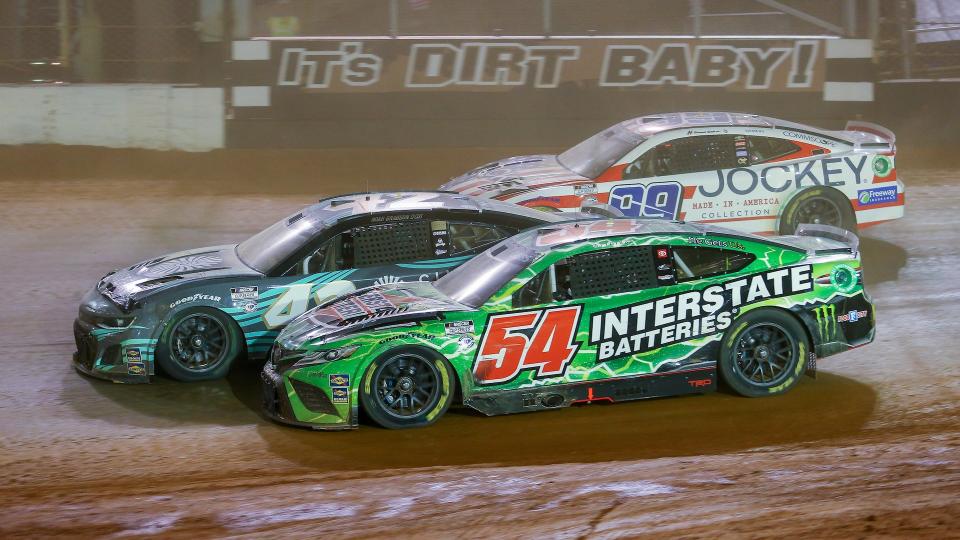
871 447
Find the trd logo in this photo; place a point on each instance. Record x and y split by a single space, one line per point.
699 383
540 339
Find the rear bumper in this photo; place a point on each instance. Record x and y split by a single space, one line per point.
842 324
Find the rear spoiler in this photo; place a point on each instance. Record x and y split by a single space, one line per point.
829 232
873 129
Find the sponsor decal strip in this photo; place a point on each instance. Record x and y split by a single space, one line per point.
651 324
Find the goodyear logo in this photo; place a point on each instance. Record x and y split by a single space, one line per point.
870 197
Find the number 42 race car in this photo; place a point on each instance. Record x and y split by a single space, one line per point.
749 172
193 313
577 312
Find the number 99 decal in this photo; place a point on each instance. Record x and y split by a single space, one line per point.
544 340
656 200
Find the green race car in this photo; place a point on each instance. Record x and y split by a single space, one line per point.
577 312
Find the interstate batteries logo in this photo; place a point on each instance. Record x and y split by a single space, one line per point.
871 197
651 324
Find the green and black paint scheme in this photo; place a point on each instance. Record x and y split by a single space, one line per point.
577 312
193 312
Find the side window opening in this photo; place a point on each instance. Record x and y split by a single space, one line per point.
597 273
685 155
698 262
766 149
334 254
370 245
470 237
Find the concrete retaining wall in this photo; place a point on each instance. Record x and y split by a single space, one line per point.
157 117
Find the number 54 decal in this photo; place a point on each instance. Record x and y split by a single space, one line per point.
543 339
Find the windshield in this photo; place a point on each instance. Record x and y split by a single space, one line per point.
269 247
475 281
596 154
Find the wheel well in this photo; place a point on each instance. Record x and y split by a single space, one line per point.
170 317
827 189
795 316
457 384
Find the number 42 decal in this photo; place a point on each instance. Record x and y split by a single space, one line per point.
543 339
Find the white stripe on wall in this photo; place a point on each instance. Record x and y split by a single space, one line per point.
251 50
849 48
251 96
847 91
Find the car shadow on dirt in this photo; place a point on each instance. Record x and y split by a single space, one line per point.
830 406
881 260
167 402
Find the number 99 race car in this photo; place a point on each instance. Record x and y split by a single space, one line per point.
577 312
194 312
749 172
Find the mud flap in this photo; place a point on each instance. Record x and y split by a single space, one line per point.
811 365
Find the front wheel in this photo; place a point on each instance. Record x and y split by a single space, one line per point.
198 345
823 206
763 353
407 388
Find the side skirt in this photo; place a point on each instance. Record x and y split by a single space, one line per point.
693 380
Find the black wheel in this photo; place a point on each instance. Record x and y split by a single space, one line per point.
407 388
763 353
198 345
824 206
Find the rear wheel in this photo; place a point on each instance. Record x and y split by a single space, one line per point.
763 353
819 205
199 344
407 388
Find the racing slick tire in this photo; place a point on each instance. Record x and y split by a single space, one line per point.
763 353
199 344
407 387
821 205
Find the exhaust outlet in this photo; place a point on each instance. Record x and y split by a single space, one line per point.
552 400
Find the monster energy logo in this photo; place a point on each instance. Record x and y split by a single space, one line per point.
826 321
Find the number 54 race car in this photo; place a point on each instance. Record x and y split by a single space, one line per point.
577 312
194 312
749 172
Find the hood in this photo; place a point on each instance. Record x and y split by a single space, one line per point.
125 285
394 303
511 175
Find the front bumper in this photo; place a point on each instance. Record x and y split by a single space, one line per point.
113 355
119 354
298 403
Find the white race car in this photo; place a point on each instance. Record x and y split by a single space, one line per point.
752 173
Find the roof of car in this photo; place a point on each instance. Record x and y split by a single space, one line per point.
548 236
657 123
334 209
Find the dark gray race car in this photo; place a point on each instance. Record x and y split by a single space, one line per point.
194 312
